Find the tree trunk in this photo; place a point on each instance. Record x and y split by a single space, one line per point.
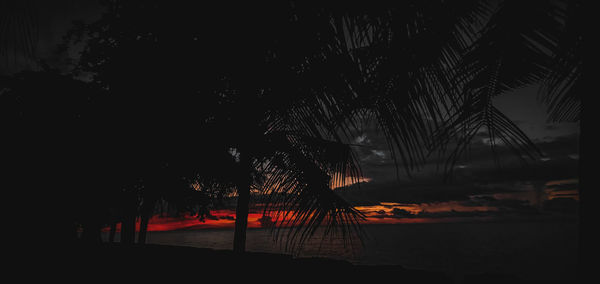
241 212
145 215
74 235
91 232
143 228
581 198
128 229
130 214
113 230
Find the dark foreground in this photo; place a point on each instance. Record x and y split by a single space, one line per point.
141 263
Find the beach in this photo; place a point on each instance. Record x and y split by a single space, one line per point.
528 250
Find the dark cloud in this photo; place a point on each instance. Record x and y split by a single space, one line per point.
462 214
496 208
397 212
51 21
414 192
474 179
560 146
561 205
476 172
564 186
454 213
552 127
559 161
503 205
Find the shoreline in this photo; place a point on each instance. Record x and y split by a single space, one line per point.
433 221
152 261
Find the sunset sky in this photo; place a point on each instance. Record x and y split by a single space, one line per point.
479 189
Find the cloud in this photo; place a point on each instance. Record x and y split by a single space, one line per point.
551 127
563 185
397 212
453 213
477 173
379 153
362 139
561 205
503 205
410 192
449 214
485 206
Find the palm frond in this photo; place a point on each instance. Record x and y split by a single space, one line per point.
561 89
513 50
298 189
18 31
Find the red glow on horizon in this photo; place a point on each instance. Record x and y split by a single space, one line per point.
222 219
225 219
382 213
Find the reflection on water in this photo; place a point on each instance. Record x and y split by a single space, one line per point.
534 250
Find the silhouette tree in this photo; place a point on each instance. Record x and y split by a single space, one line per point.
285 83
515 48
562 87
119 62
57 131
19 33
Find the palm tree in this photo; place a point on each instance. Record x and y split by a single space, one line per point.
426 71
19 31
119 63
287 161
172 181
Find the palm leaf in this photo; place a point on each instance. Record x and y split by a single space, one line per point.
18 31
298 189
561 89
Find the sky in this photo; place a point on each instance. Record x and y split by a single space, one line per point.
479 188
53 19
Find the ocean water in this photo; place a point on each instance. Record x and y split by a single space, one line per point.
530 250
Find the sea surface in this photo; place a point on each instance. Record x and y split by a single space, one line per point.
530 250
